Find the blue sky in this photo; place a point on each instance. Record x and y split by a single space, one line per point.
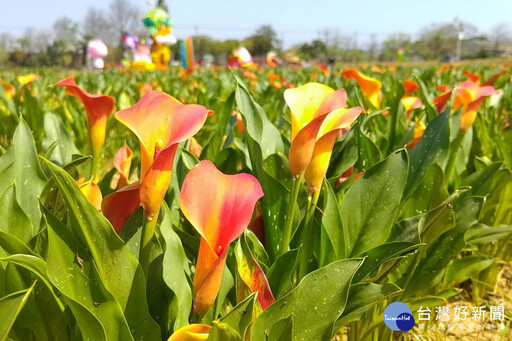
295 21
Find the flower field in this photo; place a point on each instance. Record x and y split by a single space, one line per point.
253 204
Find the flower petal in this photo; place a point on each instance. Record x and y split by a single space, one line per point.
317 168
117 207
410 86
304 102
191 332
219 206
160 120
369 86
93 193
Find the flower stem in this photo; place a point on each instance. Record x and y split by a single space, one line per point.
94 165
452 158
307 236
148 231
290 213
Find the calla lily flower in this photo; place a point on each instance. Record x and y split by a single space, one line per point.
408 101
98 109
160 122
8 89
419 129
122 162
92 192
472 76
220 208
318 115
191 332
195 148
27 79
468 96
369 86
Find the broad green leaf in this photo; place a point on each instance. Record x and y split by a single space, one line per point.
14 220
93 306
481 234
481 183
463 268
13 245
213 147
10 307
22 166
369 153
223 332
175 270
447 246
117 267
429 193
240 316
362 297
368 208
434 141
332 223
55 132
282 330
316 303
281 273
37 266
263 139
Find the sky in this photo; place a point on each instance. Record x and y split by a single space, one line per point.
295 21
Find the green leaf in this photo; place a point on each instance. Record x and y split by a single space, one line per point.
263 140
21 165
282 330
213 147
240 316
316 303
434 141
443 249
481 183
175 270
281 273
368 208
332 222
92 305
10 307
13 245
55 132
38 267
481 234
14 220
369 153
117 267
463 268
223 332
362 297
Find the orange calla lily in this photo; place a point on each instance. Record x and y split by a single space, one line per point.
98 109
8 89
195 148
419 129
472 76
192 332
369 86
441 99
27 79
318 113
160 122
410 87
410 103
122 162
92 192
220 208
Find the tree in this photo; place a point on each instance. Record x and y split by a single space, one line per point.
66 32
124 17
263 40
96 25
500 34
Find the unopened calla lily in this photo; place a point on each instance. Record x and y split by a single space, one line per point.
369 86
409 101
220 208
98 109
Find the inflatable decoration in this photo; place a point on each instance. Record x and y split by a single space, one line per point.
142 58
96 51
187 55
243 57
159 25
